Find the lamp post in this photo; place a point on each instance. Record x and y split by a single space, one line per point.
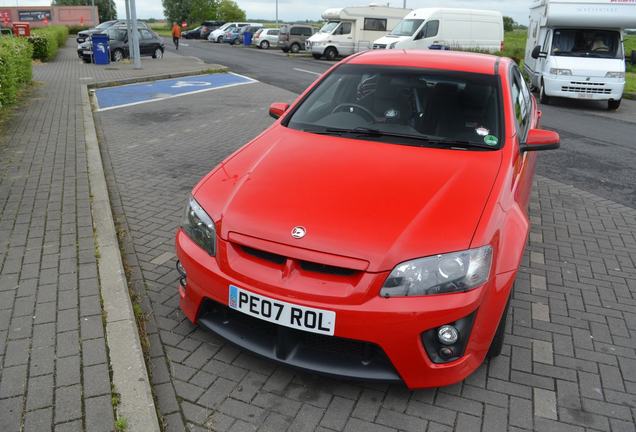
277 13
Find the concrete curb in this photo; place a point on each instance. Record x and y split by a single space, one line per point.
130 376
213 69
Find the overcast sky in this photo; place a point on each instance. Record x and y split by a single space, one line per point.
289 10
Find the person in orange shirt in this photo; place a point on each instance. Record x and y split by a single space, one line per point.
176 34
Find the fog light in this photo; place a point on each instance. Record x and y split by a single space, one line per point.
447 335
182 273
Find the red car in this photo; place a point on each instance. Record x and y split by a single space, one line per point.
375 230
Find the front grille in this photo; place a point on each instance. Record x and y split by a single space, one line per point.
379 46
268 256
305 265
586 87
324 268
329 355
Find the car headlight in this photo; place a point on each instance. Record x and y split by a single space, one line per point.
391 46
554 71
199 226
615 75
440 274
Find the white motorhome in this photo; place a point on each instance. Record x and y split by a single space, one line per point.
352 29
449 27
575 48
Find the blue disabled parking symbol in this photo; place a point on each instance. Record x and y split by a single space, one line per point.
134 94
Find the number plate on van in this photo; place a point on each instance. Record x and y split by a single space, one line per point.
282 313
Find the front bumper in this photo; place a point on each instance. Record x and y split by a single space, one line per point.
585 88
388 331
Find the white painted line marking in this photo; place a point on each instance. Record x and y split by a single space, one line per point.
307 71
242 76
180 84
175 96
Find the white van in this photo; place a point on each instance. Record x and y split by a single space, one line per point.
447 27
217 35
575 49
352 29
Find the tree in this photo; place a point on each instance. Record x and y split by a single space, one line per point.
192 11
106 9
509 24
228 10
176 10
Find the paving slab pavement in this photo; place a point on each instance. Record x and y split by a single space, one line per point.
54 364
569 361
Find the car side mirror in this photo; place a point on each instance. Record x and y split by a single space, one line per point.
541 139
277 109
536 53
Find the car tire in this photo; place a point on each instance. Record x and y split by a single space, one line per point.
294 48
331 53
118 55
158 53
264 45
219 39
613 105
543 98
86 60
316 56
236 41
497 341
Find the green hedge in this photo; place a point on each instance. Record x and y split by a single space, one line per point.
75 29
47 40
15 67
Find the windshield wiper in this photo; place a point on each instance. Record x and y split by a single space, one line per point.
424 140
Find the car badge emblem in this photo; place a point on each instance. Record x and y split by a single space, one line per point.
298 232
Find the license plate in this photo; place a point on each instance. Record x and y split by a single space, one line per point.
282 313
88 52
585 95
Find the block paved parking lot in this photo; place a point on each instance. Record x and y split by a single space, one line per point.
569 362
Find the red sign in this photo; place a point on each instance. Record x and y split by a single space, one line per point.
184 24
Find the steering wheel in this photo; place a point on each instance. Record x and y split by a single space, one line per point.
342 108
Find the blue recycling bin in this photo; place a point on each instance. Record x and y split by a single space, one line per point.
247 38
101 49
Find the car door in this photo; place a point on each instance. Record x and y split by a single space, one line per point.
146 42
526 118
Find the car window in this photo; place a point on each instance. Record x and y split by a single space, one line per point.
431 29
522 102
295 31
345 28
376 24
273 32
421 103
145 34
307 31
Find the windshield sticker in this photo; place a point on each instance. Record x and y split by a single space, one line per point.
482 131
491 140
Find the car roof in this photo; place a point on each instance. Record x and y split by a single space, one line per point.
431 59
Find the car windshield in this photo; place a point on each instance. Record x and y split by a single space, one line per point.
329 27
404 105
406 27
586 43
104 25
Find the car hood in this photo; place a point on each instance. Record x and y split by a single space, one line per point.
378 202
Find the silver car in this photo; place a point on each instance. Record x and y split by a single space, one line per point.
264 38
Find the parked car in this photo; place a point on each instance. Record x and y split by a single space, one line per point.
264 38
209 26
250 28
150 44
81 36
282 249
195 33
232 36
293 37
218 35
